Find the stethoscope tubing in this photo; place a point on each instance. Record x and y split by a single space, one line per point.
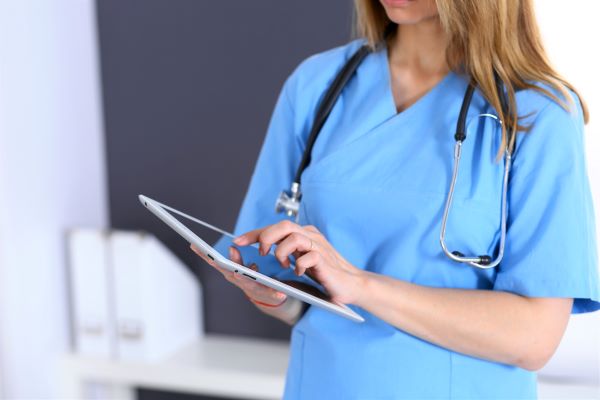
477 260
289 202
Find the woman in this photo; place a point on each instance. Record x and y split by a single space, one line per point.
373 198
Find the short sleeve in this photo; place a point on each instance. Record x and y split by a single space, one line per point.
274 171
551 240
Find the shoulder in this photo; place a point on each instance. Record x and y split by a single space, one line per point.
314 74
320 66
308 82
553 129
535 102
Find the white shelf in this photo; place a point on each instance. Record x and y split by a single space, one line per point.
218 365
225 366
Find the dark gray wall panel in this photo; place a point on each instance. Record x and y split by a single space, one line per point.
185 81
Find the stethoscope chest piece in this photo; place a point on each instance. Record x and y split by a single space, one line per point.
288 202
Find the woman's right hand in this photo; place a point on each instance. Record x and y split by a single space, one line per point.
256 292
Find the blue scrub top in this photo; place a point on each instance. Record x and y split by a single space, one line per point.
376 189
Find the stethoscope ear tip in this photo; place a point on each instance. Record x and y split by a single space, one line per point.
482 260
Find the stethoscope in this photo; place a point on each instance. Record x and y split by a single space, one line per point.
289 201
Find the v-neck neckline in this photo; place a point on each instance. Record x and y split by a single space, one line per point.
390 104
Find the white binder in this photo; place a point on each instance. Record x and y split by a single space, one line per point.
91 292
157 299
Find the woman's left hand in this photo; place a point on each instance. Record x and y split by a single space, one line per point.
314 255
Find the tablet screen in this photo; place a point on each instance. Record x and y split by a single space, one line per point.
305 288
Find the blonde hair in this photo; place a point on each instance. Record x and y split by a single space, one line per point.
486 37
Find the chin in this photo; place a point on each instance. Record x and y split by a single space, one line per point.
409 11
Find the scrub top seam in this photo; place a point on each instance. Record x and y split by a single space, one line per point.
518 144
451 374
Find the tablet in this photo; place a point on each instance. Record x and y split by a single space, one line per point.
325 303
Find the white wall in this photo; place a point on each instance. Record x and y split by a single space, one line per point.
51 177
571 33
572 36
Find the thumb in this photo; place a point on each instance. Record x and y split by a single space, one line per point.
235 255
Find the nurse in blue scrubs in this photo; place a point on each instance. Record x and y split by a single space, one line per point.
373 199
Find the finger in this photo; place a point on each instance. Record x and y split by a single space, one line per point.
254 288
204 257
268 235
211 262
243 282
265 294
227 274
297 254
269 295
257 291
308 260
249 285
294 242
272 297
276 234
248 237
196 250
235 255
239 279
311 228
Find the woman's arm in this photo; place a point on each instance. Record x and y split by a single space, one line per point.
493 325
289 312
498 326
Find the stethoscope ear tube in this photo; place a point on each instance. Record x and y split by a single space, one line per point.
484 261
289 202
461 133
326 105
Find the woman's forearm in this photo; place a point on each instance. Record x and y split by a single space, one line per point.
493 325
288 312
292 309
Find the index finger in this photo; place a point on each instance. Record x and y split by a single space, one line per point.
249 237
269 235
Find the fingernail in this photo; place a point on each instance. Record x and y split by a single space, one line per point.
239 240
